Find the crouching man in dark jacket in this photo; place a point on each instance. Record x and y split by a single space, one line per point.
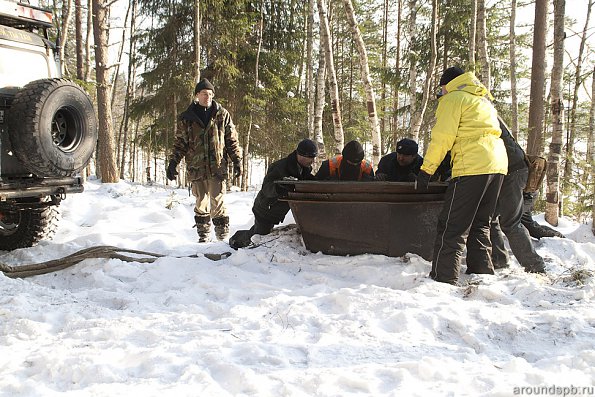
268 210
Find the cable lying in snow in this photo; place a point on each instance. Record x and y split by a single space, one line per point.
103 251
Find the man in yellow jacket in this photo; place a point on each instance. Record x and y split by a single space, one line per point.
467 126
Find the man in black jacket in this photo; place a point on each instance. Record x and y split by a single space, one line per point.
268 210
401 165
509 211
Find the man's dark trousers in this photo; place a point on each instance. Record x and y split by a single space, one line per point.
469 204
508 220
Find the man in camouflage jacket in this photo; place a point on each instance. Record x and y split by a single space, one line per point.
207 138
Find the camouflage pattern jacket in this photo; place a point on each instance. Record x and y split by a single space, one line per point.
206 148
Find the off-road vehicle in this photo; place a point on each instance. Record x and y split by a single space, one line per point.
48 128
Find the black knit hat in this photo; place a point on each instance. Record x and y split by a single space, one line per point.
307 148
353 152
204 84
407 146
450 74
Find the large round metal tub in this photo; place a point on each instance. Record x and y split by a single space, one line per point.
350 218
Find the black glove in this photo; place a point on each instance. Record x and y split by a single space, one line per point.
422 181
171 171
237 169
380 176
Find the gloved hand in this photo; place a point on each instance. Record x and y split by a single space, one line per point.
380 176
237 169
422 181
171 171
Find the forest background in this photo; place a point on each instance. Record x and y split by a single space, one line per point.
333 71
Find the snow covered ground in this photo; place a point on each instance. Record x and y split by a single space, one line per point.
278 320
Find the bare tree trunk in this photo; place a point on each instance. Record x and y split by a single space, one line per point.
396 102
482 41
383 93
568 165
66 15
246 149
78 27
412 68
318 111
513 83
553 171
472 34
129 87
418 116
88 41
115 80
365 73
107 160
325 39
536 100
197 40
310 86
591 150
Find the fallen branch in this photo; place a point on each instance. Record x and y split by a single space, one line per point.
104 251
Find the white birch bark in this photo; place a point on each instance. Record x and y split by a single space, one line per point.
557 109
325 39
365 75
514 123
482 41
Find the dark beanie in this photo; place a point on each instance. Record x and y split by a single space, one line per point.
353 152
450 74
307 148
204 84
407 146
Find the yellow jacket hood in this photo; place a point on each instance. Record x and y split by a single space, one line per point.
467 126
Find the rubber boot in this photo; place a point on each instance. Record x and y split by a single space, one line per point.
203 227
221 227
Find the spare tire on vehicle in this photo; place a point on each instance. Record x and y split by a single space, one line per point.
52 127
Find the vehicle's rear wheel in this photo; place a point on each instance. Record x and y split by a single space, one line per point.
52 127
25 228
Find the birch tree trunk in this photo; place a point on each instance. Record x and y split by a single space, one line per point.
197 40
472 34
514 124
66 15
557 109
319 110
482 41
365 75
536 100
418 116
591 150
106 160
124 126
396 102
568 165
115 75
412 69
246 148
88 40
78 28
325 38
383 119
310 84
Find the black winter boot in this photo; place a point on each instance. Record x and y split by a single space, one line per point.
203 227
221 227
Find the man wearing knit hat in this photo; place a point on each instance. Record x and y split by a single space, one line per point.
467 126
402 165
268 210
206 137
349 166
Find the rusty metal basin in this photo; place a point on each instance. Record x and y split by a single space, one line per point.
350 218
